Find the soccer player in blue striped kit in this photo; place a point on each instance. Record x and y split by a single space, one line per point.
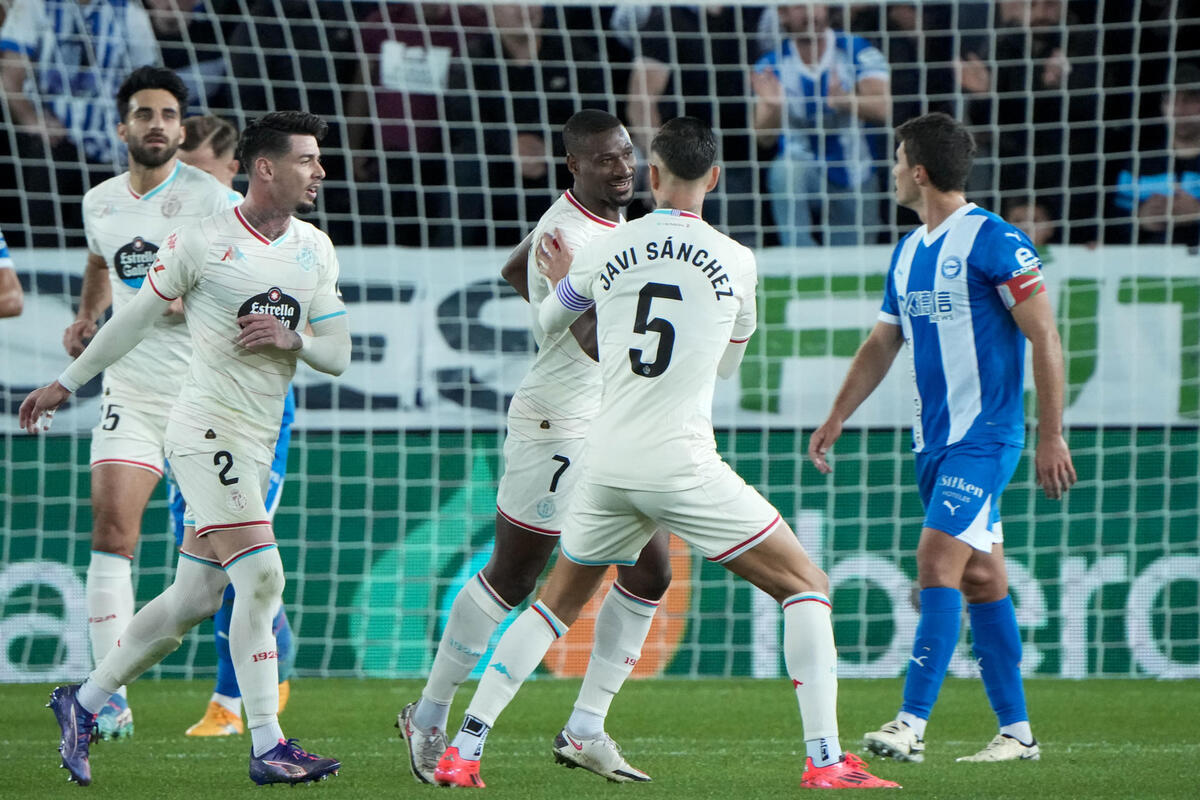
964 292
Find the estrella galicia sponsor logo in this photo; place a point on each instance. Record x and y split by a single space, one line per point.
134 260
277 304
951 267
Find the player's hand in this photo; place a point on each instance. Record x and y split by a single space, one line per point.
553 256
1052 463
76 336
260 331
175 308
37 411
821 442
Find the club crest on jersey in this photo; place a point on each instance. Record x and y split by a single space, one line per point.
134 260
306 257
951 267
171 206
274 302
545 508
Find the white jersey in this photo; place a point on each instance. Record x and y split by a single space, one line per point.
671 293
562 388
127 229
224 269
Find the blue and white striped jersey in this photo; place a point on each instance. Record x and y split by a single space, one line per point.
81 53
812 130
951 291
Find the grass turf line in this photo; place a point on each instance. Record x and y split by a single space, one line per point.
727 739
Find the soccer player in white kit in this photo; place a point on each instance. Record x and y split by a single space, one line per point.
126 220
251 279
675 306
547 420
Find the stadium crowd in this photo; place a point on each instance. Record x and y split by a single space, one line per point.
442 114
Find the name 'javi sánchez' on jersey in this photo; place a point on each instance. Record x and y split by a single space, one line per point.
671 250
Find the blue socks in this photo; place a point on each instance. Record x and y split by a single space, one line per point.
997 644
226 681
937 635
284 644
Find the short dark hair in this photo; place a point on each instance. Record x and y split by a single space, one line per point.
686 146
942 145
271 135
150 78
583 125
211 129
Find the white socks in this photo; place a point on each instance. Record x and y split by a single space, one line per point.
476 613
521 649
621 628
811 659
914 722
157 629
109 601
257 577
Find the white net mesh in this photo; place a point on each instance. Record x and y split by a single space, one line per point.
444 137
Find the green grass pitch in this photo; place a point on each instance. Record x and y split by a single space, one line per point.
728 739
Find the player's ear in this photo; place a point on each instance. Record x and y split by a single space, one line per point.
572 164
655 177
714 175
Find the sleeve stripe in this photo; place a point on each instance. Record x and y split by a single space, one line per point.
327 316
150 278
570 298
739 341
890 319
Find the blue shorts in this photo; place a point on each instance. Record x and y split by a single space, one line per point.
176 503
960 486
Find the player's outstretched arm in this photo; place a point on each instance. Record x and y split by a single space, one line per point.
871 363
1052 461
122 333
94 299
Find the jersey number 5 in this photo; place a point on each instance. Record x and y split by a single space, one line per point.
664 329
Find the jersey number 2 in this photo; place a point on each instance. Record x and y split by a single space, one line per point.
226 458
664 329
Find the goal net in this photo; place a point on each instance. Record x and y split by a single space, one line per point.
442 154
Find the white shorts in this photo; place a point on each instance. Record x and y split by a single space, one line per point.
131 430
223 485
539 478
722 518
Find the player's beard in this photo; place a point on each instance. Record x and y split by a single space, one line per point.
151 158
305 207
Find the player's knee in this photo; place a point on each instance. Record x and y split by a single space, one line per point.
265 584
649 582
112 535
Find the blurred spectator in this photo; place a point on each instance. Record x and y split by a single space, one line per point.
12 299
690 61
1037 219
1040 82
518 86
1157 194
298 54
210 144
61 62
191 35
817 94
396 131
